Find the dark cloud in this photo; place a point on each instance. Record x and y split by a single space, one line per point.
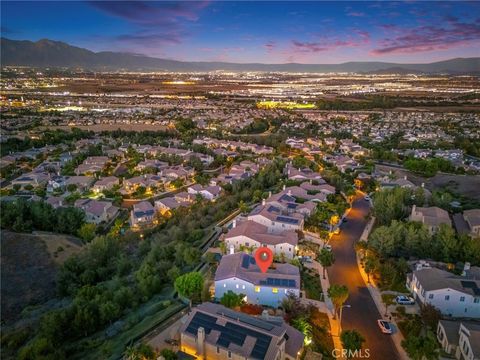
161 23
151 13
429 38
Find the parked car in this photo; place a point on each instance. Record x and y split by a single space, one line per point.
385 326
404 300
367 198
172 342
327 247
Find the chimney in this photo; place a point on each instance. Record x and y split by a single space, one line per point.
284 187
234 224
232 249
311 181
423 185
263 202
201 343
289 193
269 194
288 171
405 177
466 267
414 208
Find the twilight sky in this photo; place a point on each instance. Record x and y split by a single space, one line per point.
250 31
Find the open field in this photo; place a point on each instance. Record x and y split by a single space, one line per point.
29 267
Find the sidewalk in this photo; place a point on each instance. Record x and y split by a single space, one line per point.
376 295
327 306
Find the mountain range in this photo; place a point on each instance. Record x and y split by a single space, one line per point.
49 53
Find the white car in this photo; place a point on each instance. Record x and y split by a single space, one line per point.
367 198
404 300
327 247
385 326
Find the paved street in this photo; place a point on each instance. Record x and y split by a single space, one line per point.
363 313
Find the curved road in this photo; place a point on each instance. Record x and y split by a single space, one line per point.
363 313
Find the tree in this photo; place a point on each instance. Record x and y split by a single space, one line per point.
232 300
139 352
388 300
303 325
190 285
370 266
327 258
338 294
168 354
87 232
243 207
352 341
421 347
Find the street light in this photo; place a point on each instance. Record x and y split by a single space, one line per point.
340 318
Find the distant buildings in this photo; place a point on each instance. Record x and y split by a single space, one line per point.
239 273
213 331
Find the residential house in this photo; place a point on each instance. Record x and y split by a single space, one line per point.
240 274
82 183
106 183
431 217
460 339
97 211
215 332
454 295
143 214
275 219
250 234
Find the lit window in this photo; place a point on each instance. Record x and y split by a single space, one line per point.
236 286
257 288
224 285
275 290
243 286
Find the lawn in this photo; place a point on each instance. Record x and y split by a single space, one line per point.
311 284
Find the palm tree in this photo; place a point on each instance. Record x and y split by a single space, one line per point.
351 340
243 207
326 258
338 294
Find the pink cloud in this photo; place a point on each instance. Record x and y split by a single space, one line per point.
429 38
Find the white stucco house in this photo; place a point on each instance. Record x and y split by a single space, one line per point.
460 339
251 234
454 295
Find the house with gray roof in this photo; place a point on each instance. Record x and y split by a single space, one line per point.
454 295
142 214
213 331
275 218
432 217
460 339
240 273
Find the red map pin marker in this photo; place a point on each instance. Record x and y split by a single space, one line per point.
264 258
